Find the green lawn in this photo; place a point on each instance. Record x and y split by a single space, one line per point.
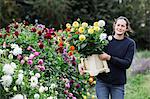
138 87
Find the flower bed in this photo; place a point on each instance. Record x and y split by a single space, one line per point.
37 63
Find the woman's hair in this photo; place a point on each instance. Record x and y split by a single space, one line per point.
127 24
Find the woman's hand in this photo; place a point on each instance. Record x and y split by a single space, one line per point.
104 56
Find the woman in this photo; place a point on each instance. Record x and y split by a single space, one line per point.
119 54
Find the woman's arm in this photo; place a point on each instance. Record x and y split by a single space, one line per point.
123 63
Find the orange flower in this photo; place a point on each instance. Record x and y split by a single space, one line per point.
68 29
72 48
77 32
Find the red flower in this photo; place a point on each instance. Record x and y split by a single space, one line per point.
33 30
40 33
16 26
70 53
48 36
61 44
41 45
16 33
1 35
78 86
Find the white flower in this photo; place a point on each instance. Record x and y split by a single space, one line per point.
13 65
1 51
34 81
18 96
8 69
46 88
17 51
14 45
37 75
6 80
103 36
41 89
53 86
6 89
31 73
109 37
36 96
50 97
15 88
20 79
21 71
10 56
101 23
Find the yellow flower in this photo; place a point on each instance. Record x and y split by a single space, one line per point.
96 28
81 29
68 25
93 97
88 94
84 24
91 30
82 37
75 24
96 24
94 82
84 97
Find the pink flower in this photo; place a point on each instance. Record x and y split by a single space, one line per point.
36 53
33 50
65 91
19 57
29 48
42 68
74 98
31 56
70 95
30 62
67 85
40 62
22 61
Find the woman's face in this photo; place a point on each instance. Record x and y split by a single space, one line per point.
120 27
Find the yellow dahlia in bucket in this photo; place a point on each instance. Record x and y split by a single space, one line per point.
82 37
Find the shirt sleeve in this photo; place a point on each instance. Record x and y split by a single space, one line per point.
124 63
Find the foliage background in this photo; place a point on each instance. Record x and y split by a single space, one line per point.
56 12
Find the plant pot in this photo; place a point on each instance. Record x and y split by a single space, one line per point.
94 65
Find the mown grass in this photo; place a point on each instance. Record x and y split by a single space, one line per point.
138 87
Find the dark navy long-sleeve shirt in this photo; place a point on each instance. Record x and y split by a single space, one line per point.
121 52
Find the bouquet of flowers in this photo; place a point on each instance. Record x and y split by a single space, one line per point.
89 41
